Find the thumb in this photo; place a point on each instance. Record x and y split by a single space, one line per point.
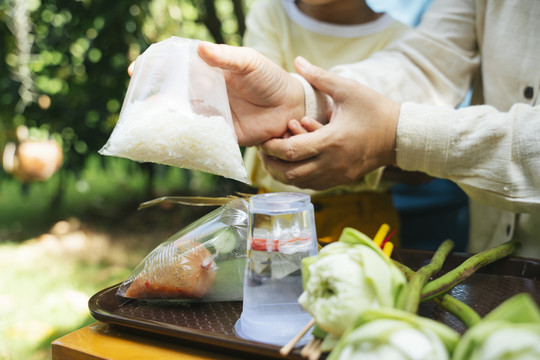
226 57
319 78
212 54
131 67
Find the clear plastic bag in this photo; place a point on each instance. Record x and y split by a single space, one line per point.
176 112
205 261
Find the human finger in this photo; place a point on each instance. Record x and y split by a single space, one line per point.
287 134
296 128
233 58
318 77
310 124
130 68
300 173
295 148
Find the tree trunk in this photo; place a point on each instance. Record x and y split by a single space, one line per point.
212 22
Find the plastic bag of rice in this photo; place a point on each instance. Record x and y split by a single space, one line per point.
176 112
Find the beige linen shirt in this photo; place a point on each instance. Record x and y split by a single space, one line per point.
491 150
281 32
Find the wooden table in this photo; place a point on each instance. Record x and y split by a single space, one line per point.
101 341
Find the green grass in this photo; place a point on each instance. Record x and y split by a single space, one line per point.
63 240
45 296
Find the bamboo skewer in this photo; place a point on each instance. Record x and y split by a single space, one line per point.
306 350
312 350
285 350
315 351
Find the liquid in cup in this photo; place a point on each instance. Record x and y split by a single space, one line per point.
281 233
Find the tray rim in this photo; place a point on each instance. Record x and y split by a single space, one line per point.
182 333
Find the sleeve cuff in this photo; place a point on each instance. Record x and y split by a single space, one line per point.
423 138
316 103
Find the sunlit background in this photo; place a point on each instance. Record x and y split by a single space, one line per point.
69 224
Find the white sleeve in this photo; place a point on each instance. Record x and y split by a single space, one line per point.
494 156
433 63
262 30
316 103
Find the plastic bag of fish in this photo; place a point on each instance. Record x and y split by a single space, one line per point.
205 261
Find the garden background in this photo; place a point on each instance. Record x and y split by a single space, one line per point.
69 232
63 78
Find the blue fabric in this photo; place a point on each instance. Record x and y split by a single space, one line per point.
434 194
407 11
431 213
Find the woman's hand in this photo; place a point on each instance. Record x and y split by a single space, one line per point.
263 97
359 138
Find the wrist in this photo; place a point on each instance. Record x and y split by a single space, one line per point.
315 103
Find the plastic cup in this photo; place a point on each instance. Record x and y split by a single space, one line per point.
281 233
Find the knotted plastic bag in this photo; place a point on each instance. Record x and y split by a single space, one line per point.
176 112
205 261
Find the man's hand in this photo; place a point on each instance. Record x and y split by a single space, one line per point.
359 138
263 97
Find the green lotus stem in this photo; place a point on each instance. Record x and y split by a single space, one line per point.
447 302
452 278
411 297
407 271
462 311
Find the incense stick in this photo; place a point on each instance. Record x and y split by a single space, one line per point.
381 234
388 248
285 350
315 351
306 350
388 238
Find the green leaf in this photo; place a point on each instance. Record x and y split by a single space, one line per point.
520 308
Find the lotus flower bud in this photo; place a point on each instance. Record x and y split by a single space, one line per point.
393 334
346 278
510 332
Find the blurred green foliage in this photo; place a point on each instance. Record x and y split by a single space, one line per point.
63 73
64 61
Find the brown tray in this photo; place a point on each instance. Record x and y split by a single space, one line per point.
212 324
